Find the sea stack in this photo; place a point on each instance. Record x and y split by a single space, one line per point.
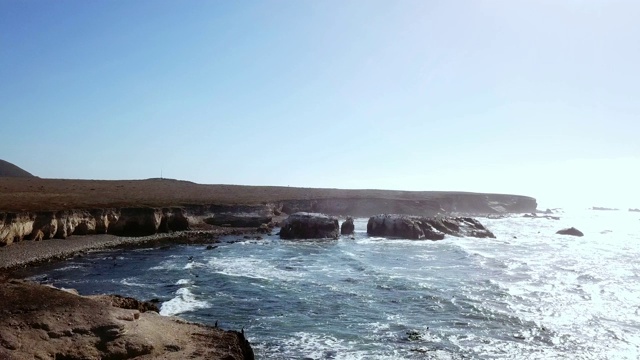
305 225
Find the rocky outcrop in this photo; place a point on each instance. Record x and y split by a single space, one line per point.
63 325
137 222
347 227
570 231
634 210
15 227
416 228
536 216
134 221
304 225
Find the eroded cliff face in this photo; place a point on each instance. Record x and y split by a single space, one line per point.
135 221
142 221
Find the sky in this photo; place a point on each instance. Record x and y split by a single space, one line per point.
538 98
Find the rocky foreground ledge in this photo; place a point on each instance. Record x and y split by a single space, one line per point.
42 322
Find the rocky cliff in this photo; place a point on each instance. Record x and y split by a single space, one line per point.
137 221
141 221
40 209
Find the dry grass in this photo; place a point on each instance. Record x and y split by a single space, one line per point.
34 194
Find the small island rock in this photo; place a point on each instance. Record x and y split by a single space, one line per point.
347 227
303 225
570 231
417 228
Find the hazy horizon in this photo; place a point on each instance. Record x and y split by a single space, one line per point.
530 98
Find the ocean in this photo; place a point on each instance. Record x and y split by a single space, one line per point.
528 294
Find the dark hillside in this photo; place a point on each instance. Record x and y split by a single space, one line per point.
7 169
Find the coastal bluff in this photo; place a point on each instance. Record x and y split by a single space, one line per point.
43 322
41 209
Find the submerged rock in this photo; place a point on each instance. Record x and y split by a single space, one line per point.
417 228
570 231
304 225
347 227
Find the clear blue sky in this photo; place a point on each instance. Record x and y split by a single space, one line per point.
534 97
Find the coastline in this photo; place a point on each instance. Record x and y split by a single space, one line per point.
43 220
27 253
41 321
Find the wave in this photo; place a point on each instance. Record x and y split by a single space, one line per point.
183 302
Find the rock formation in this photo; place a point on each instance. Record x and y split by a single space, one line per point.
304 225
347 227
135 221
57 324
416 228
570 231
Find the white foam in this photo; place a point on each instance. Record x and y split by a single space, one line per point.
166 265
183 302
193 265
68 267
252 268
130 282
184 282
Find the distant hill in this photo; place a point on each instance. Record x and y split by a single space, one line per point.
7 169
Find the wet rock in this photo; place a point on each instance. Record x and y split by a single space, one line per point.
304 225
416 228
570 231
263 229
347 227
130 303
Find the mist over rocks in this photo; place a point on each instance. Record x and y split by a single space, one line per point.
418 228
304 225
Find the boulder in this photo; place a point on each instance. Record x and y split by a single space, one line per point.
304 225
570 231
347 227
417 228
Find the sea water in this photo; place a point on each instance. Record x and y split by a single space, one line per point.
528 294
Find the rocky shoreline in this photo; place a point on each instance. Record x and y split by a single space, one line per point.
61 324
43 323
